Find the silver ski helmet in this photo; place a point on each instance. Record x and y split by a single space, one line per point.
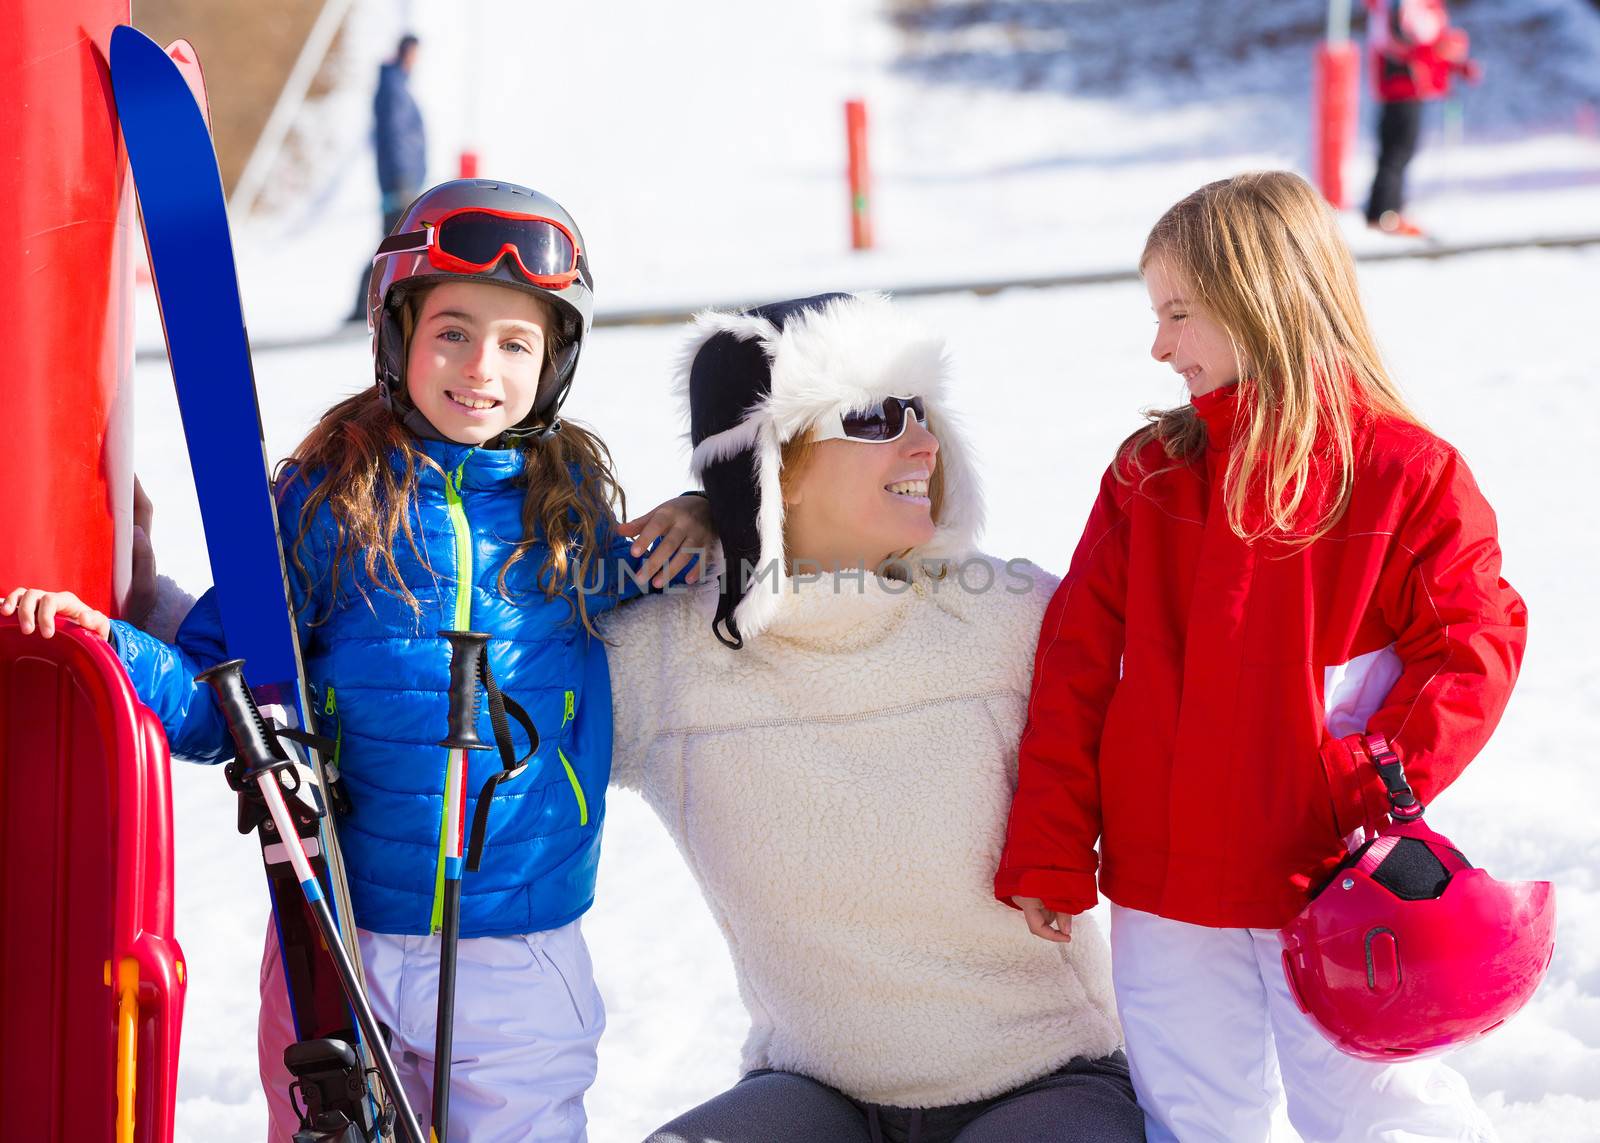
497 227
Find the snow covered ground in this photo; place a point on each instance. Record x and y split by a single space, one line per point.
700 145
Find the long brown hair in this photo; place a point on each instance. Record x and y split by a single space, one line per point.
345 460
1262 255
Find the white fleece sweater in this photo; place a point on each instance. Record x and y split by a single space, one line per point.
840 788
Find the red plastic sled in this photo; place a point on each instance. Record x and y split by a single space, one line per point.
91 979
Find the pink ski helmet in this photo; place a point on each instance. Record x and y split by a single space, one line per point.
1408 950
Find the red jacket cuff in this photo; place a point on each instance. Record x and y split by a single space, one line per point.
1361 800
1061 890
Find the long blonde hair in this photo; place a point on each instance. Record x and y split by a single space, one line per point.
346 462
1261 253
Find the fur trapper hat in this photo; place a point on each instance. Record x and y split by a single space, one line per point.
756 379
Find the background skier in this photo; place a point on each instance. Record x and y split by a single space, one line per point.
1415 55
400 143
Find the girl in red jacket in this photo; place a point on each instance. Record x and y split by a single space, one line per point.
1274 576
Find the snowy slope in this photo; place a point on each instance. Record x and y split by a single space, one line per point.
701 146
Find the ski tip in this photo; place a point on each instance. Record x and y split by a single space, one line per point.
128 45
182 51
147 74
126 38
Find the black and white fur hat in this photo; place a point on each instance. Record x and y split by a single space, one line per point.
756 379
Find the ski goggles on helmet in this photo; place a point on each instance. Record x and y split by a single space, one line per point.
472 239
877 424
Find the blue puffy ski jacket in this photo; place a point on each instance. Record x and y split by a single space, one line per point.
379 675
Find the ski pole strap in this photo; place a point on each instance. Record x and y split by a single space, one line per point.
332 784
1403 803
499 708
320 743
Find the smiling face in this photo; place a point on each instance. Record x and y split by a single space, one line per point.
855 504
475 359
1187 338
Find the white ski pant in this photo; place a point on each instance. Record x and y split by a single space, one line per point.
527 1021
1214 1037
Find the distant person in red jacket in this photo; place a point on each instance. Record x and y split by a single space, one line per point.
1273 573
1415 55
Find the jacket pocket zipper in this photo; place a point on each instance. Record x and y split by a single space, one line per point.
567 711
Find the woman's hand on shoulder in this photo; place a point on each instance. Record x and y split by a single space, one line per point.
144 587
1043 921
681 531
37 610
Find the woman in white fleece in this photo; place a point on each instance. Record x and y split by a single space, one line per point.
834 754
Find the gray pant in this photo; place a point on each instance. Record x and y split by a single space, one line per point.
1090 1100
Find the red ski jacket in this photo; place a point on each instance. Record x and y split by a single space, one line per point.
1198 702
1415 51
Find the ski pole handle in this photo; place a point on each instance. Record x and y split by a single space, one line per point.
467 650
254 742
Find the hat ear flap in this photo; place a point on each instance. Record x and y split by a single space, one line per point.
733 498
746 496
770 579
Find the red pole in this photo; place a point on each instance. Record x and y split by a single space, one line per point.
68 281
855 120
1334 104
469 165
1338 68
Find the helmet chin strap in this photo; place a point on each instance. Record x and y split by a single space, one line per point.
418 425
539 433
552 411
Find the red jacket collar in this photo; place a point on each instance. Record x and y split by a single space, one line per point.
1219 410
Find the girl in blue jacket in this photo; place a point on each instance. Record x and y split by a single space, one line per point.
450 496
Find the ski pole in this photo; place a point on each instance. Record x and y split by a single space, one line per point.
469 666
466 648
265 763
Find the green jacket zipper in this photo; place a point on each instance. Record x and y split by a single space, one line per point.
462 622
330 712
